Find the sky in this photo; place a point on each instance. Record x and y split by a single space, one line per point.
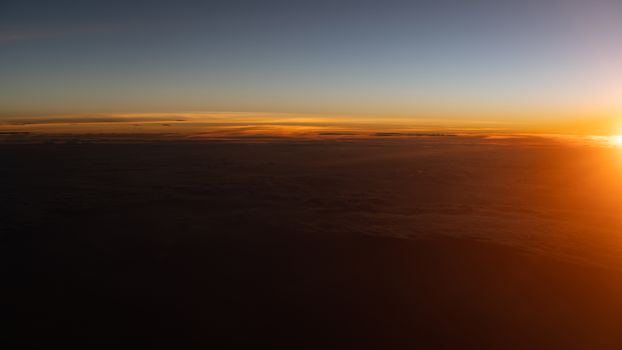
554 63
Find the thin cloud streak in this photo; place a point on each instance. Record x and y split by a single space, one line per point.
17 35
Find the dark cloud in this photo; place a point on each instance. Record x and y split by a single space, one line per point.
337 133
390 134
91 119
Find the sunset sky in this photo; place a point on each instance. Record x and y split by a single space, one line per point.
552 65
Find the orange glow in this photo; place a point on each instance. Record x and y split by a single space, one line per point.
257 125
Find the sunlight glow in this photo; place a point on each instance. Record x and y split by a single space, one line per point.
616 140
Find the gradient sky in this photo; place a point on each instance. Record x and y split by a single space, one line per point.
485 59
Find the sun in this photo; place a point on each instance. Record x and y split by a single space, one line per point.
616 140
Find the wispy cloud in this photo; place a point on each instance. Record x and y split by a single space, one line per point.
82 119
9 35
197 117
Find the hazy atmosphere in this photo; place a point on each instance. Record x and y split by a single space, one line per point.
545 65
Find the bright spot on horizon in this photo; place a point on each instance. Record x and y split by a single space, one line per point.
616 140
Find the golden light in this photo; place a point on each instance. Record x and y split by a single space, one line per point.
616 140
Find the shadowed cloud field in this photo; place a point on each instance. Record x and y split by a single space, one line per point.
392 241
